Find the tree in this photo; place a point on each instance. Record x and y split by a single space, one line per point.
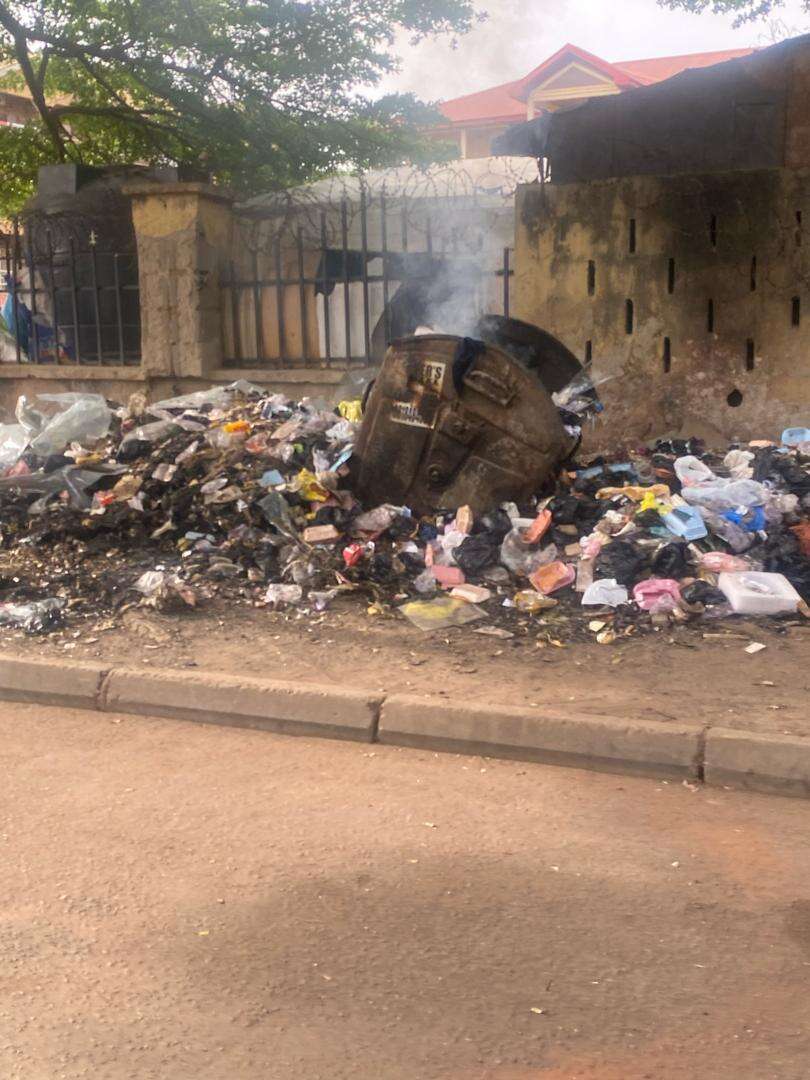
260 93
742 10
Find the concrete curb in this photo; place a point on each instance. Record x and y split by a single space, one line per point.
646 747
775 764
221 699
52 682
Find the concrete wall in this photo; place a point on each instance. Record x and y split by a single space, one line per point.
735 243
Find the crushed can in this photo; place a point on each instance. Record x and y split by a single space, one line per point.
451 422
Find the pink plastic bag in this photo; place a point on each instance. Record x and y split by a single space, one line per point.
657 595
720 562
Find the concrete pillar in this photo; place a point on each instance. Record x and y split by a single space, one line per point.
184 236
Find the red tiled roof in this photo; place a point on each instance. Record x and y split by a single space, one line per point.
619 76
664 67
504 102
498 103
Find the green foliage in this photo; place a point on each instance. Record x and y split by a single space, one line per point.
742 10
260 93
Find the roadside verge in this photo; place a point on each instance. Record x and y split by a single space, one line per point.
731 758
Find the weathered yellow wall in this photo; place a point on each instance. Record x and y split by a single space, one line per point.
184 234
758 215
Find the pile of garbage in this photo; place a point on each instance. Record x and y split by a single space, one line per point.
239 495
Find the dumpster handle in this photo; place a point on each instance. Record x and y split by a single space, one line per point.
490 387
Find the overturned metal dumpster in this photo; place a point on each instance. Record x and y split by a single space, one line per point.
453 421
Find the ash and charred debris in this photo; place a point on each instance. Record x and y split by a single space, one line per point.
239 496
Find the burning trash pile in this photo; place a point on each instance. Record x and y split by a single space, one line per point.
235 494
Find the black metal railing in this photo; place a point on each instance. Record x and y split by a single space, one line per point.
68 304
279 314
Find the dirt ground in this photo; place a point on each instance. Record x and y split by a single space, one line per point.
674 674
183 902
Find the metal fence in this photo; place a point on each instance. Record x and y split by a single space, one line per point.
331 286
68 304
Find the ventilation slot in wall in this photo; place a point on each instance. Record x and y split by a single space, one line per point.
798 228
667 355
710 317
713 230
591 278
671 277
750 355
796 311
628 317
754 273
631 239
588 352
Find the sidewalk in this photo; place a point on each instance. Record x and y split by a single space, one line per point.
675 685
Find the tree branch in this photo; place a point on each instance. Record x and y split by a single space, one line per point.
34 83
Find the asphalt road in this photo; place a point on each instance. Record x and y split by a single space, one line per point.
178 901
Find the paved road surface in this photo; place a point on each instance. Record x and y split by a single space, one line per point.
183 902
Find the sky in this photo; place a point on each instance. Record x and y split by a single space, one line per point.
520 34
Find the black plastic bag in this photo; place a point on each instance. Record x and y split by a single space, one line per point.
701 592
477 552
623 561
583 512
672 561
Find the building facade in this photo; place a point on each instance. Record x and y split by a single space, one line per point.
570 77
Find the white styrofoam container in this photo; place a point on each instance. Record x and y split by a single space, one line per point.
751 592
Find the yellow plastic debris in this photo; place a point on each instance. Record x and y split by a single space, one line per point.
311 488
650 502
351 410
635 492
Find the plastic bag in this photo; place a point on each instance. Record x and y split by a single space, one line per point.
218 397
720 495
605 593
82 418
71 479
622 561
672 561
738 463
278 595
657 595
377 520
441 613
701 592
36 617
691 470
579 396
720 562
522 558
13 440
477 552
